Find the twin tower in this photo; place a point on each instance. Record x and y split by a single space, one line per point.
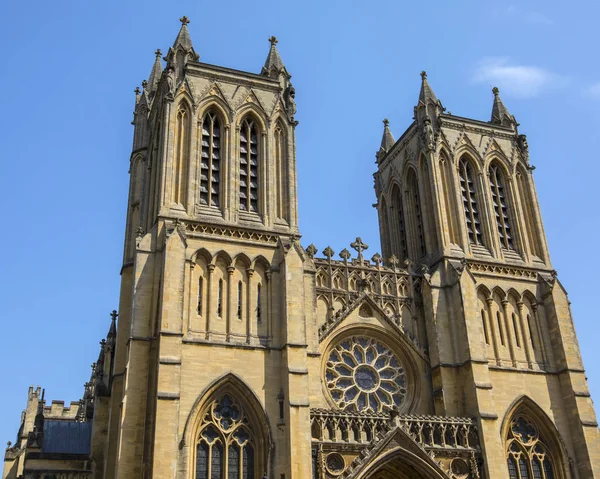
239 354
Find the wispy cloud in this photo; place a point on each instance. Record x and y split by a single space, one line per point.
523 81
528 16
593 91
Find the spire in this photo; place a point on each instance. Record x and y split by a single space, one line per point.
426 94
156 72
387 141
273 65
500 114
183 38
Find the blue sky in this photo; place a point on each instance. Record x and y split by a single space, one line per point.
70 69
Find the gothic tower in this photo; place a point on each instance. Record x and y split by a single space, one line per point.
457 204
209 325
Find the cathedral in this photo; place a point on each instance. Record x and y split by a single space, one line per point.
239 353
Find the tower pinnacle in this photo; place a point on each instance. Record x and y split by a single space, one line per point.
273 64
156 72
500 114
426 94
387 141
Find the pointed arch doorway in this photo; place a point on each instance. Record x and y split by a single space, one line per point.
400 463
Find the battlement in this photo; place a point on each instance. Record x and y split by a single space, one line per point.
57 410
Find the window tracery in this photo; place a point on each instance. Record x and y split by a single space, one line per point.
226 447
210 164
527 454
467 187
248 166
362 373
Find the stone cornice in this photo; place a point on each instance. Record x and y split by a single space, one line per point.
495 269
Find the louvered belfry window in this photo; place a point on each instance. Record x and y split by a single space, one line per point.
210 165
500 207
467 187
248 166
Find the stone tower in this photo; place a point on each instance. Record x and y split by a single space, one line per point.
457 204
238 354
209 327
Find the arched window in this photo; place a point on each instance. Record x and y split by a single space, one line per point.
528 213
500 207
200 293
449 202
225 446
181 156
416 216
469 196
281 174
248 166
210 164
400 233
527 455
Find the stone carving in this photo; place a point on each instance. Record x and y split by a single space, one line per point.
523 146
290 102
427 136
170 83
311 250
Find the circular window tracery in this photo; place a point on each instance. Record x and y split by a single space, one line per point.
362 373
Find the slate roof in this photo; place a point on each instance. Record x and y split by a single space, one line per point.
66 437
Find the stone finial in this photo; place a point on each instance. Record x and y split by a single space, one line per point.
359 246
158 53
311 250
184 20
114 315
345 255
273 40
495 91
423 75
377 259
386 122
394 261
328 252
145 84
137 90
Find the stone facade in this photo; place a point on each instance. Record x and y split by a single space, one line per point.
238 353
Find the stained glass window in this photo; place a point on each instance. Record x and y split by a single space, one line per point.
364 374
225 447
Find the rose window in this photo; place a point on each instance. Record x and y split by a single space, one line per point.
362 374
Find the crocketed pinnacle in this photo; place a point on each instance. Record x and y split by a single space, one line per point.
183 37
387 141
426 94
156 72
273 62
500 114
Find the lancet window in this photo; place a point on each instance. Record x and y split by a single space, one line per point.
210 163
226 446
415 216
181 156
248 166
500 207
281 174
527 456
400 233
467 187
